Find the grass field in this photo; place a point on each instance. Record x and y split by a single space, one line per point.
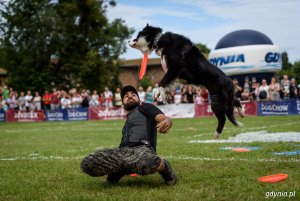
40 161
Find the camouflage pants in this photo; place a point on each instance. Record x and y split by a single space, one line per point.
125 160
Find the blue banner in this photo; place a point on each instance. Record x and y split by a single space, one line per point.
287 107
56 115
78 114
2 116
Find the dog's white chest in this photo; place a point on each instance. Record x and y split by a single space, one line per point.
164 63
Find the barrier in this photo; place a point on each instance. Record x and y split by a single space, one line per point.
287 107
271 108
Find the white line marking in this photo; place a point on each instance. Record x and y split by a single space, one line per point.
277 160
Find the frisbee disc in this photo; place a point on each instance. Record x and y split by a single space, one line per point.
241 150
143 66
273 178
133 175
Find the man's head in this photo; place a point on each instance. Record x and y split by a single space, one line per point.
130 97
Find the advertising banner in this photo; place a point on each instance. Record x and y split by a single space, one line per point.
56 115
287 107
2 116
183 110
96 113
77 114
203 110
250 108
24 116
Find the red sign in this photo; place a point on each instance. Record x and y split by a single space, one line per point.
96 113
204 110
24 116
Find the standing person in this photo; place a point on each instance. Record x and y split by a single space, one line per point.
294 90
28 101
274 89
142 94
137 151
263 91
65 101
47 100
118 99
55 99
94 101
190 94
246 89
21 101
108 98
285 87
149 95
37 101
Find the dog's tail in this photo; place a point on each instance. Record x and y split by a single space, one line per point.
230 115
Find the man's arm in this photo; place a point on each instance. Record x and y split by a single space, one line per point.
163 123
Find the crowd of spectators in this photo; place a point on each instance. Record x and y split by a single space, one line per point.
250 90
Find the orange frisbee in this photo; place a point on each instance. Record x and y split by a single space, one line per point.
133 175
273 178
143 66
241 150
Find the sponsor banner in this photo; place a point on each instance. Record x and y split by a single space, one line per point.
77 114
97 113
2 116
56 115
24 116
298 106
288 107
247 59
182 110
250 108
204 110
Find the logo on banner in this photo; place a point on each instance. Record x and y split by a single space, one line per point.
77 114
219 61
111 113
272 57
26 115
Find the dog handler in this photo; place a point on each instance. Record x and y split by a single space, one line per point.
137 151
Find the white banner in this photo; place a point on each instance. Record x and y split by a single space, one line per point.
183 110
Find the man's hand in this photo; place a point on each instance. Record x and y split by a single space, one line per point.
164 126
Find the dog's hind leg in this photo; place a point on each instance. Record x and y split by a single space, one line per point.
231 118
220 114
236 103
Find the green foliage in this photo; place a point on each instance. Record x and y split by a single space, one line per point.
292 70
66 42
203 48
145 82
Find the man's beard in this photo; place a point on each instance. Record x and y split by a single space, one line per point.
131 105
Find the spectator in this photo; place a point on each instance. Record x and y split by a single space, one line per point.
142 94
252 95
237 89
274 89
65 101
108 98
12 101
3 105
76 99
118 100
294 90
149 95
263 91
285 87
94 101
47 100
190 94
5 93
177 97
246 90
85 98
37 101
102 100
157 100
21 101
202 95
28 101
55 99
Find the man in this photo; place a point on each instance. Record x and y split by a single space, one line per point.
137 151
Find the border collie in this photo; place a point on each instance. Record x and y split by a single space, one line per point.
180 58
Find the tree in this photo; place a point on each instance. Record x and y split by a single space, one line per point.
203 48
66 42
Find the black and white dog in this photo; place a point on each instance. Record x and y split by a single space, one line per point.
180 58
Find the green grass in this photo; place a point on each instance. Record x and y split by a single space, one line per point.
46 157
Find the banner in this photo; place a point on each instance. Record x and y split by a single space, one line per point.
286 107
183 110
24 116
77 114
250 108
2 116
56 115
96 113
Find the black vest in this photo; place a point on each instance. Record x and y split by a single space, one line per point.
138 127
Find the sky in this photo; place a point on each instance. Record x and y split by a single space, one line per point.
207 21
